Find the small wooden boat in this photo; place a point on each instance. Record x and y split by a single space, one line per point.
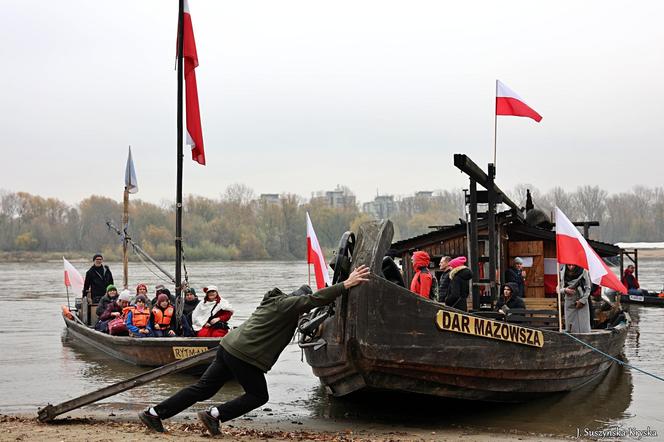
383 337
651 299
148 352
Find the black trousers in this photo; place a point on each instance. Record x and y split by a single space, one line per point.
224 368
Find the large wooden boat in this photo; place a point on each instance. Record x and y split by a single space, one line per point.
384 337
148 352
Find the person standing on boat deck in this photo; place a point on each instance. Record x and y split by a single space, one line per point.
210 317
444 281
509 298
575 286
422 282
632 284
138 319
517 275
460 278
248 352
97 278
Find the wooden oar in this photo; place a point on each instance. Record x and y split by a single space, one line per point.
49 412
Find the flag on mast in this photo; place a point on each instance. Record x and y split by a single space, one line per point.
73 278
509 102
194 128
572 248
316 257
130 175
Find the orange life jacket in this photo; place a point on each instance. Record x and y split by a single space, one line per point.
163 318
140 319
126 310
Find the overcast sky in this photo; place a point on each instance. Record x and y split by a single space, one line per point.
299 96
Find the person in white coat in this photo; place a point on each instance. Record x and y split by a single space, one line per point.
575 287
210 317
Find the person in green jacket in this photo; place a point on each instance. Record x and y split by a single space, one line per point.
247 352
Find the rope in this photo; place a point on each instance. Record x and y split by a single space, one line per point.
612 358
160 277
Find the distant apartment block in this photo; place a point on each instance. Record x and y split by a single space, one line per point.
382 207
419 203
269 198
338 198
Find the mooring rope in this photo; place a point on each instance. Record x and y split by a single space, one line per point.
611 357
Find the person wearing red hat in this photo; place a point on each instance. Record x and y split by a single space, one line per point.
460 278
422 282
210 317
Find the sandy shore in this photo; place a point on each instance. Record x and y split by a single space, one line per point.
124 426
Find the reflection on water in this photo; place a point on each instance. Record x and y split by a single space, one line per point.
40 363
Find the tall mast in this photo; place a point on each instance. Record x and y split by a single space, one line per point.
125 224
178 196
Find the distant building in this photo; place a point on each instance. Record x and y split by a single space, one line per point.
338 198
270 198
382 207
419 203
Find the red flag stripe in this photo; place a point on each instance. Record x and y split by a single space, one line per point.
193 118
515 107
570 251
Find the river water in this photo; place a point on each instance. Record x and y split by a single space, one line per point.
40 364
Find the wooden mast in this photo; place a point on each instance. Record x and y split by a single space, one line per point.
125 223
178 196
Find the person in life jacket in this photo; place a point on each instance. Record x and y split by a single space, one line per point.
210 317
162 317
422 280
138 319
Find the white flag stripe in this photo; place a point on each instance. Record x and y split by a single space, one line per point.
596 267
75 278
503 91
130 175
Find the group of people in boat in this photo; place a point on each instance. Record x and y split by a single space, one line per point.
137 316
127 314
584 308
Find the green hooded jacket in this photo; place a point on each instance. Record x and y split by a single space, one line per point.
260 339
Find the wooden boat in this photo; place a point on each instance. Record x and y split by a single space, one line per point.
148 352
383 337
652 299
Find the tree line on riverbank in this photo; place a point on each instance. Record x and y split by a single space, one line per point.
238 226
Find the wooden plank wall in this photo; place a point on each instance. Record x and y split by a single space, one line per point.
534 274
452 247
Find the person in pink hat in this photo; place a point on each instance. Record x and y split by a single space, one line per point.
460 279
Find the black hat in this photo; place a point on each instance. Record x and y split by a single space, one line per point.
97 255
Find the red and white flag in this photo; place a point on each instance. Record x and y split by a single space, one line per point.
316 257
550 275
509 102
73 279
572 248
194 128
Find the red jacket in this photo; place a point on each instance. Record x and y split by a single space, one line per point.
421 283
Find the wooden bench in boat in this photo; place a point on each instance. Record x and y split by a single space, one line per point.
539 313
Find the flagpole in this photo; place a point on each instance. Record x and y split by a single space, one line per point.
495 124
560 306
68 306
309 272
178 195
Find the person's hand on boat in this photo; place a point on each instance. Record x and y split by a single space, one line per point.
171 333
579 304
144 331
156 327
357 276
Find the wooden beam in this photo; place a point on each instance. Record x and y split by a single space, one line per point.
49 412
467 166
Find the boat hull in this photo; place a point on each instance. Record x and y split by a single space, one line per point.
646 300
148 352
384 337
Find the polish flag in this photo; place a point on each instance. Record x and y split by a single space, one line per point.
550 275
316 257
572 248
508 102
73 279
194 129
